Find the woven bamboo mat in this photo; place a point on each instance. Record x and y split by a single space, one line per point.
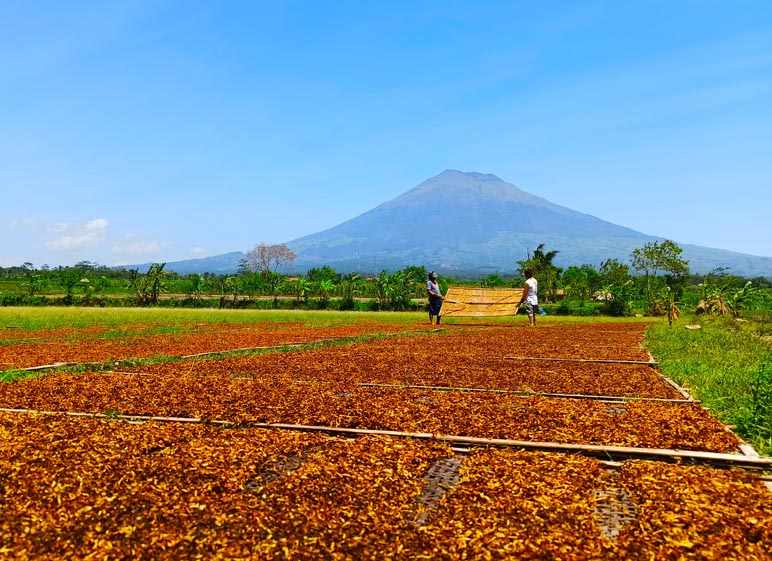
480 302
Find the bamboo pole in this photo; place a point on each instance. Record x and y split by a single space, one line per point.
683 391
50 366
604 398
597 360
600 451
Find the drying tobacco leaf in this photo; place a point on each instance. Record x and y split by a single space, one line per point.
99 345
696 512
472 359
82 488
85 488
685 426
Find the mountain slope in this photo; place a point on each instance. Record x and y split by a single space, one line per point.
463 223
469 225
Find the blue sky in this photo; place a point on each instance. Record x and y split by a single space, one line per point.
135 131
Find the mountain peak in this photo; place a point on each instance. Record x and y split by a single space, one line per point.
476 175
465 188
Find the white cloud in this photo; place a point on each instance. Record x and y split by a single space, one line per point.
74 236
133 246
58 227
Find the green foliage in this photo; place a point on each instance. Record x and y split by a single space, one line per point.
492 281
395 291
612 272
574 308
760 410
416 273
723 295
197 287
654 257
111 413
323 289
618 298
351 284
69 279
544 271
579 283
231 286
255 284
150 286
326 273
584 290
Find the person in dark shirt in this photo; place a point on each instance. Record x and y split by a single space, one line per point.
435 297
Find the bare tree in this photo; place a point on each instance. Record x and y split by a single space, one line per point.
266 258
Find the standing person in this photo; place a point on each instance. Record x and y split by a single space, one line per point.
435 297
529 296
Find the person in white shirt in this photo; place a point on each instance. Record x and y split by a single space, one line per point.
530 297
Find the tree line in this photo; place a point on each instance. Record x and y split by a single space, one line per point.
656 281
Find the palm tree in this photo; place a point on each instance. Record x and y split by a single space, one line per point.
197 286
155 277
543 270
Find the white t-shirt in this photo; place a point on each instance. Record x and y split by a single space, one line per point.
531 297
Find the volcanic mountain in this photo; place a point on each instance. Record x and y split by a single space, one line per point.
472 224
469 225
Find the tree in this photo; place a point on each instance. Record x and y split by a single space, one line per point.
135 282
69 279
543 270
721 296
576 283
396 290
254 284
156 277
197 286
492 281
269 257
323 289
244 268
229 285
148 287
265 259
302 288
350 284
416 273
617 289
34 280
86 266
325 273
613 272
654 257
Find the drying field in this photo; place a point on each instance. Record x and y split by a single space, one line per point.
373 440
